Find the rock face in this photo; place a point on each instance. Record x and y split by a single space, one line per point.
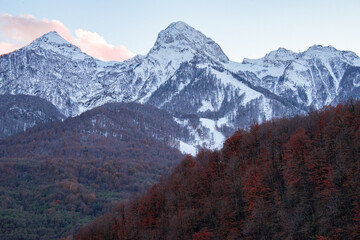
19 112
185 73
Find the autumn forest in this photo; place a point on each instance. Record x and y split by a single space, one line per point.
292 178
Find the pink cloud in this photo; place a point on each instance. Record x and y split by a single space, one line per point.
7 47
26 28
96 46
23 29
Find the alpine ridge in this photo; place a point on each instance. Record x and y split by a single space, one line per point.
187 74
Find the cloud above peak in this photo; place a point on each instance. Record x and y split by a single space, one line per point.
18 31
95 45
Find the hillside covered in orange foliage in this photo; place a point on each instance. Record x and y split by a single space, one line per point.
292 178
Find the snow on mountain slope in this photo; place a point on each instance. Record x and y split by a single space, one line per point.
313 79
310 78
53 42
179 37
177 44
258 71
187 74
53 69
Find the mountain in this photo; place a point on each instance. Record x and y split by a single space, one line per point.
20 112
185 73
50 68
58 176
284 179
311 79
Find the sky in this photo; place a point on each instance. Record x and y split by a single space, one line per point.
118 30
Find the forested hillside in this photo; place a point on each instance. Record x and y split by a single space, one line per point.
285 179
59 176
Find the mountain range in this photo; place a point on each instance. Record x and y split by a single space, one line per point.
188 75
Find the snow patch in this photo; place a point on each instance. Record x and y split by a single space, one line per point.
206 106
217 138
257 66
221 121
187 148
357 62
226 79
268 110
336 80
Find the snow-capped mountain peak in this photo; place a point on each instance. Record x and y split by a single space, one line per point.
318 51
281 54
50 38
322 48
180 37
329 52
53 42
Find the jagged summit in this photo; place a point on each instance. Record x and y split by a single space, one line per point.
321 48
50 38
179 32
330 52
180 25
53 42
180 36
319 51
281 54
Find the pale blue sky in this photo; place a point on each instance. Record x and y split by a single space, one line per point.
243 28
